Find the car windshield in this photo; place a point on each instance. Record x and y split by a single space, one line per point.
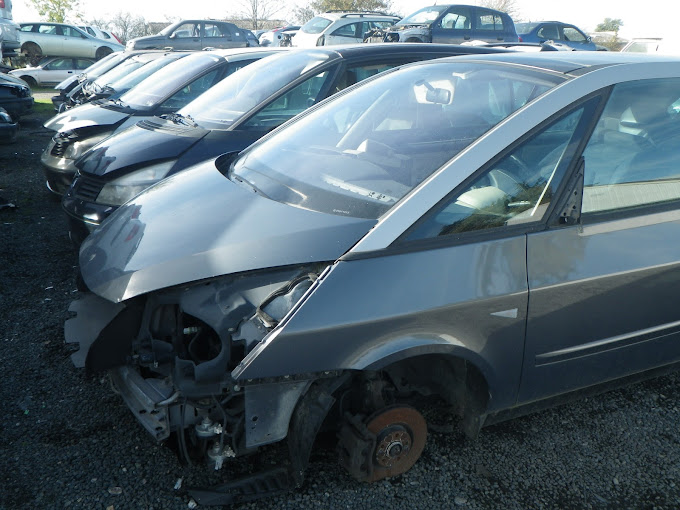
132 79
168 30
238 93
315 25
154 89
424 16
120 71
363 151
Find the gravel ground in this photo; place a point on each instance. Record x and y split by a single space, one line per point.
69 442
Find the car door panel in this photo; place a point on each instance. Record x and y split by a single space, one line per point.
454 27
600 307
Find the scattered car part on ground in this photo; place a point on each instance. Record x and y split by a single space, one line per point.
344 27
480 221
451 24
53 70
228 118
45 39
556 31
9 31
192 34
15 96
164 92
8 127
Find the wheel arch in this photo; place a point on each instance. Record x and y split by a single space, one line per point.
457 374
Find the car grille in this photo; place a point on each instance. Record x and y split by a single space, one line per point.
87 188
62 142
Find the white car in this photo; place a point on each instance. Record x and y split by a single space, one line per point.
340 28
40 39
53 70
100 33
276 36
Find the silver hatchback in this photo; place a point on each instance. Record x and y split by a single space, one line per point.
466 239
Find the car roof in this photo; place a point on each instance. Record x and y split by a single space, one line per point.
570 62
241 53
360 49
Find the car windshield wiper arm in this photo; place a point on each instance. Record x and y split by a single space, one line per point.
178 118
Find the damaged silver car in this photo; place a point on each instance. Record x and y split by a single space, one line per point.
459 235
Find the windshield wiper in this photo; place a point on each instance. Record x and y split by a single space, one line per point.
119 102
178 118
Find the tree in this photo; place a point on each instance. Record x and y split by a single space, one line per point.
303 14
57 11
256 11
350 5
508 6
126 26
609 25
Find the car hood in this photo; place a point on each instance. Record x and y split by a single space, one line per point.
10 78
142 42
140 144
68 81
85 116
198 224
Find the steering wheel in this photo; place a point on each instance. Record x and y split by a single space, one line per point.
506 180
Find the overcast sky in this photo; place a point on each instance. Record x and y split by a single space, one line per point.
637 21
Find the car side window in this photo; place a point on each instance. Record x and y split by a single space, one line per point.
458 18
217 30
186 30
517 189
548 32
351 30
48 29
571 34
83 64
70 32
488 21
632 157
61 63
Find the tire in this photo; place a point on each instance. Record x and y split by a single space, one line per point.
102 52
30 80
33 53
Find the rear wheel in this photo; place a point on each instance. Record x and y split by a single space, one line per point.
33 53
102 52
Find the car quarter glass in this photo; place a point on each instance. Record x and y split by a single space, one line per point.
384 143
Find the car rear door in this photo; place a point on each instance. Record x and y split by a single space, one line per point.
77 44
603 294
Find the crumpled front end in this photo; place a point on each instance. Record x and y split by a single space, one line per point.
170 355
400 33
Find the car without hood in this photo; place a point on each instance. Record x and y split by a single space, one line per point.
460 236
228 118
164 92
9 31
15 96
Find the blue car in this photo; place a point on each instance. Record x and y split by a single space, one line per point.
542 31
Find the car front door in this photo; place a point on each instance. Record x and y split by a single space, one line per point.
186 36
454 26
576 39
77 44
58 70
603 294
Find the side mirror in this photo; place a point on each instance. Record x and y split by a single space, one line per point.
172 36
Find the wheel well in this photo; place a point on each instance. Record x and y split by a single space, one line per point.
28 79
457 381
